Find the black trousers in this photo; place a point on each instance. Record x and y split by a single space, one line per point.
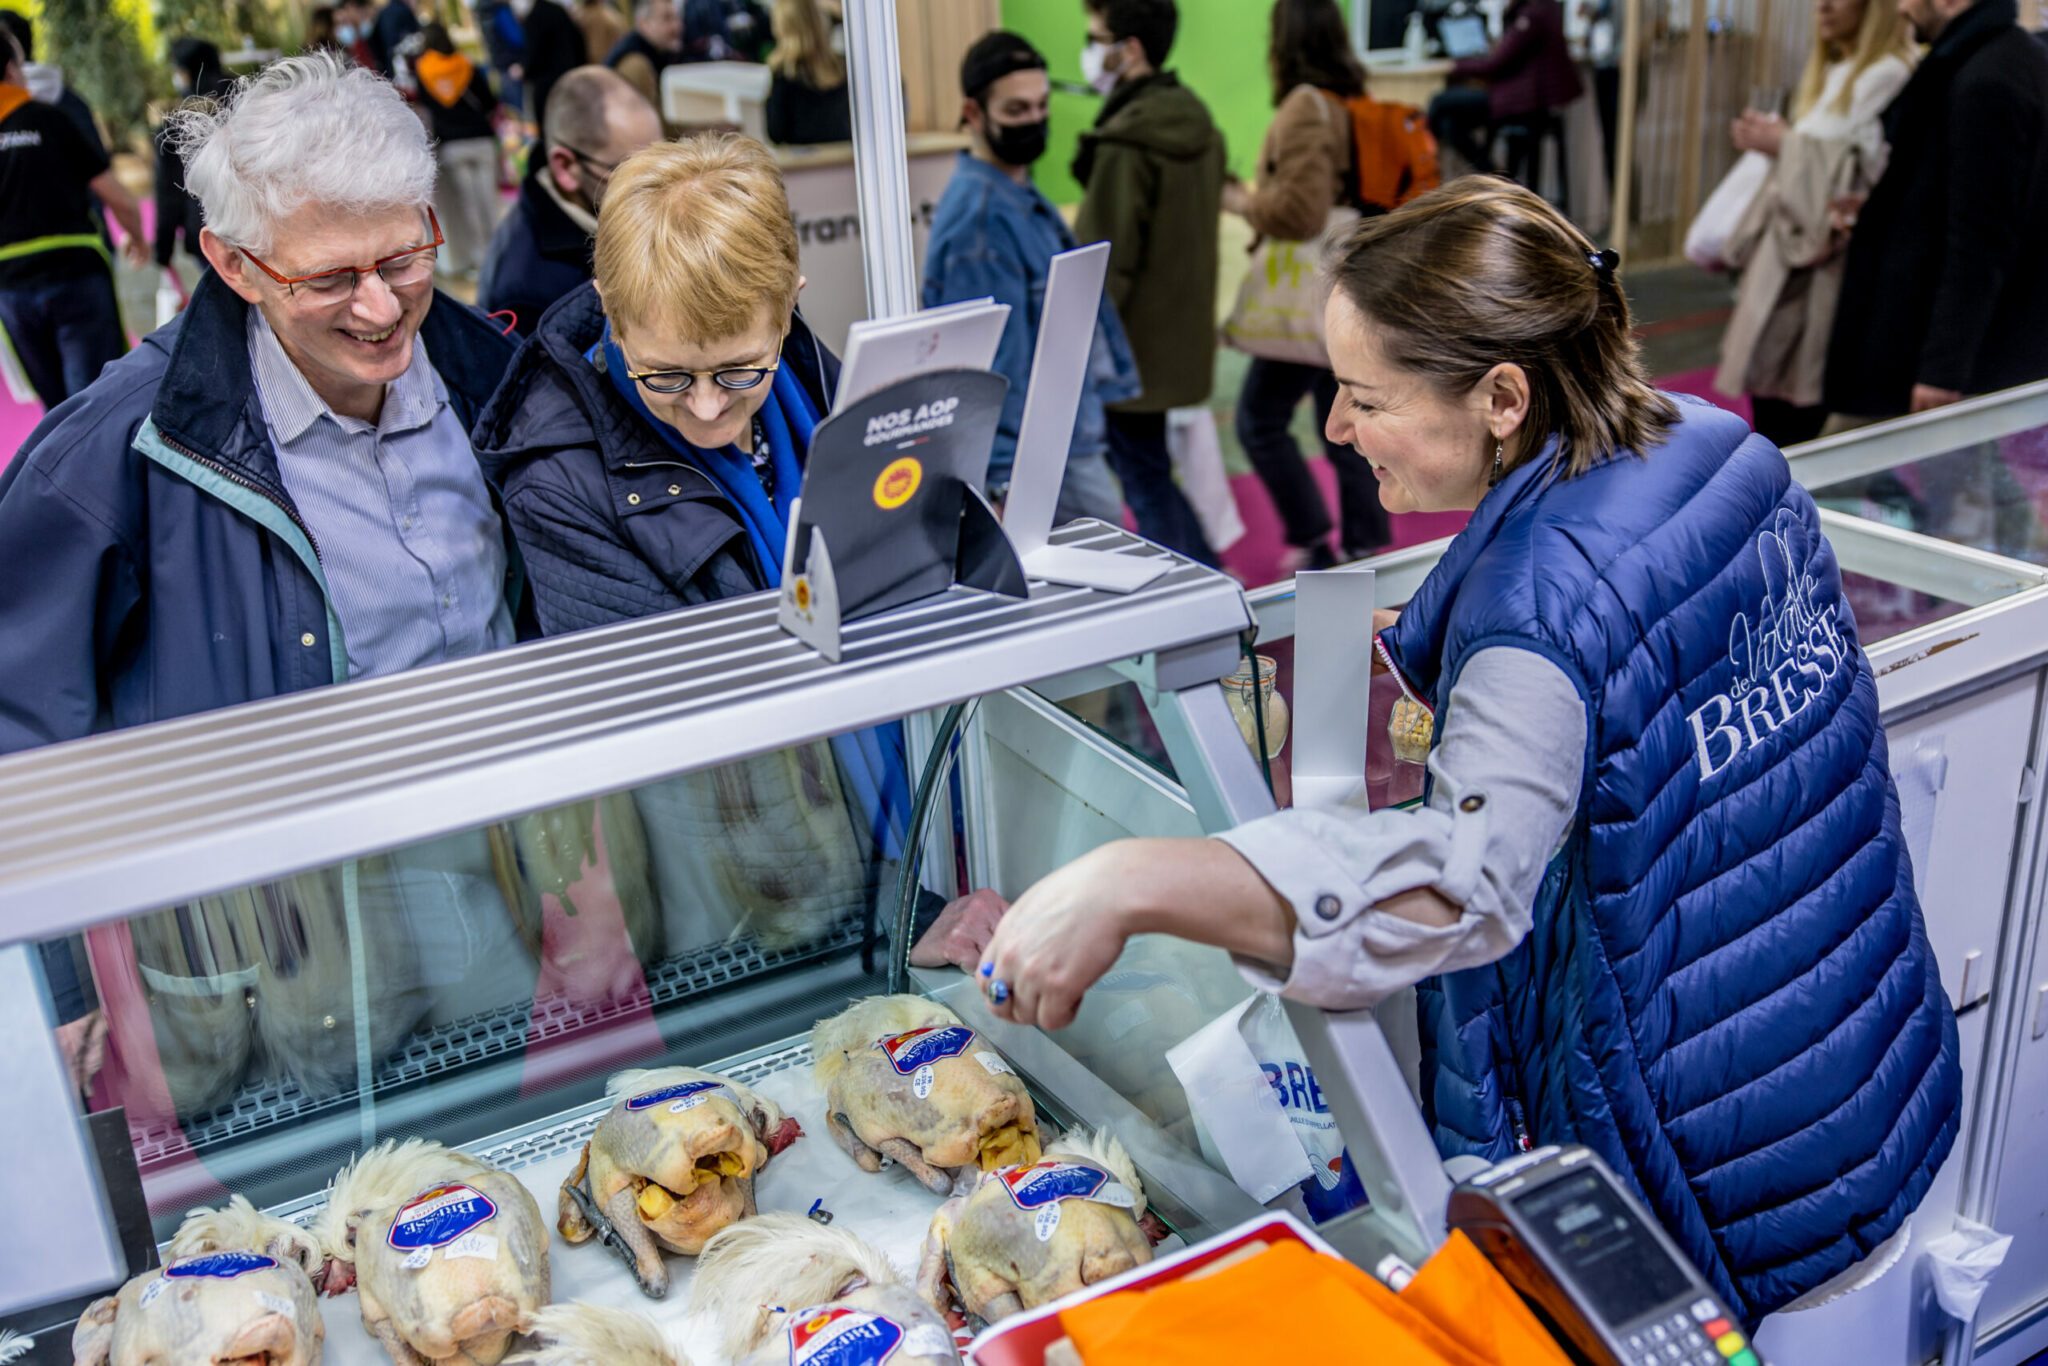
1786 424
1273 390
1462 119
1143 465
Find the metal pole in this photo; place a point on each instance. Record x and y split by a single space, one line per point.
1631 39
881 164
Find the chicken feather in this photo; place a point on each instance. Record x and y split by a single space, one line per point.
822 1280
868 1019
590 1335
240 1226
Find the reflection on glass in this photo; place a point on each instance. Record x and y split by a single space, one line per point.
481 979
1991 496
1119 713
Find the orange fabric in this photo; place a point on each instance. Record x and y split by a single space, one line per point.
1459 1289
1395 154
1286 1304
12 97
444 75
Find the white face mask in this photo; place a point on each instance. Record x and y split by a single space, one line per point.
1093 59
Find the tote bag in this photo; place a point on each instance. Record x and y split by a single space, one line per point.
1706 242
1279 310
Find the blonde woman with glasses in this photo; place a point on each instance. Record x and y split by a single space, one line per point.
650 440
1787 247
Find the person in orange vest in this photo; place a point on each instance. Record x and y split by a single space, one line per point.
461 109
57 301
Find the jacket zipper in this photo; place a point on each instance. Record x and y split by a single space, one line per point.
224 472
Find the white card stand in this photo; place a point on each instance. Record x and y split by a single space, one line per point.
1332 685
1059 368
809 609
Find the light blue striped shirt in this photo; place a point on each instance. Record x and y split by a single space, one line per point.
412 549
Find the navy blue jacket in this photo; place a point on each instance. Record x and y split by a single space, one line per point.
155 564
1727 991
614 525
536 256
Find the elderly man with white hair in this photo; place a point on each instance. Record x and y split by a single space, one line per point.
276 491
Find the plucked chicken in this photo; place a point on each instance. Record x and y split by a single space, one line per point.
904 1079
235 1289
449 1257
785 1291
591 1335
673 1162
1029 1234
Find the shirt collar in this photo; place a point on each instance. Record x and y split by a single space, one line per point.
290 406
1027 194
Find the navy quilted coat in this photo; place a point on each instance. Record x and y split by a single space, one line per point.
613 523
1728 992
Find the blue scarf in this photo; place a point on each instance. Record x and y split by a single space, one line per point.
871 762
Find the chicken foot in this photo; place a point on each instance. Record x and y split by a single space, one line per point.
650 1270
569 1218
901 1150
842 1134
401 1351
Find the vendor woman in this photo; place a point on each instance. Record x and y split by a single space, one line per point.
1658 900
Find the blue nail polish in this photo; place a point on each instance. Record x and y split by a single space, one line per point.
999 991
986 969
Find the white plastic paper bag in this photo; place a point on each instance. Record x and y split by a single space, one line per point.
1260 1114
1706 242
1963 1263
1238 1119
1198 460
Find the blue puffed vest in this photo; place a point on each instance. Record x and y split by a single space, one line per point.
1728 992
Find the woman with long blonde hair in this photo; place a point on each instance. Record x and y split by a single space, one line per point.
807 95
1775 349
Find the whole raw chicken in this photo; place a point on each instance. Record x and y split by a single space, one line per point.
674 1162
236 1283
785 1291
1029 1234
904 1079
591 1335
449 1257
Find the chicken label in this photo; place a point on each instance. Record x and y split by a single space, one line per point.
842 1337
921 1084
439 1216
688 1095
220 1266
920 1047
1046 1183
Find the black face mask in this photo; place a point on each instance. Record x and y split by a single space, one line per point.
1017 144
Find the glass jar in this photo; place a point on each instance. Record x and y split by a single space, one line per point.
1238 691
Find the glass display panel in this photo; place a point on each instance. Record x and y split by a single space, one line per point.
1613 1259
484 979
1989 495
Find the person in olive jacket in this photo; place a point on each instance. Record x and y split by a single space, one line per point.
1152 171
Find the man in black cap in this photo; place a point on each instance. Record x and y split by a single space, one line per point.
994 236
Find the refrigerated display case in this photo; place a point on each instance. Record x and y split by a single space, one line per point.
449 903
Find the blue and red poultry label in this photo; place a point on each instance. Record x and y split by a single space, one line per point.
837 1336
1043 1183
220 1266
440 1216
921 1047
680 1091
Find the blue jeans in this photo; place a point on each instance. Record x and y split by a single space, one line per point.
1138 454
64 333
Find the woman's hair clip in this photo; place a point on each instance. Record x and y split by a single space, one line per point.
1604 263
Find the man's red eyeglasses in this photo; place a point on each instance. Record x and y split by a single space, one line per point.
406 267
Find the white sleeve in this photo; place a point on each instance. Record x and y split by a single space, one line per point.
1507 770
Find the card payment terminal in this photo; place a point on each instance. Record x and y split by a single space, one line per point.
1591 1260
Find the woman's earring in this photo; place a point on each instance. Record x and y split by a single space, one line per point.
1498 448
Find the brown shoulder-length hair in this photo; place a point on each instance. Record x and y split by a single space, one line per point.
1308 45
1482 272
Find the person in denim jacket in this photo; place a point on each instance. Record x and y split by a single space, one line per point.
994 236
